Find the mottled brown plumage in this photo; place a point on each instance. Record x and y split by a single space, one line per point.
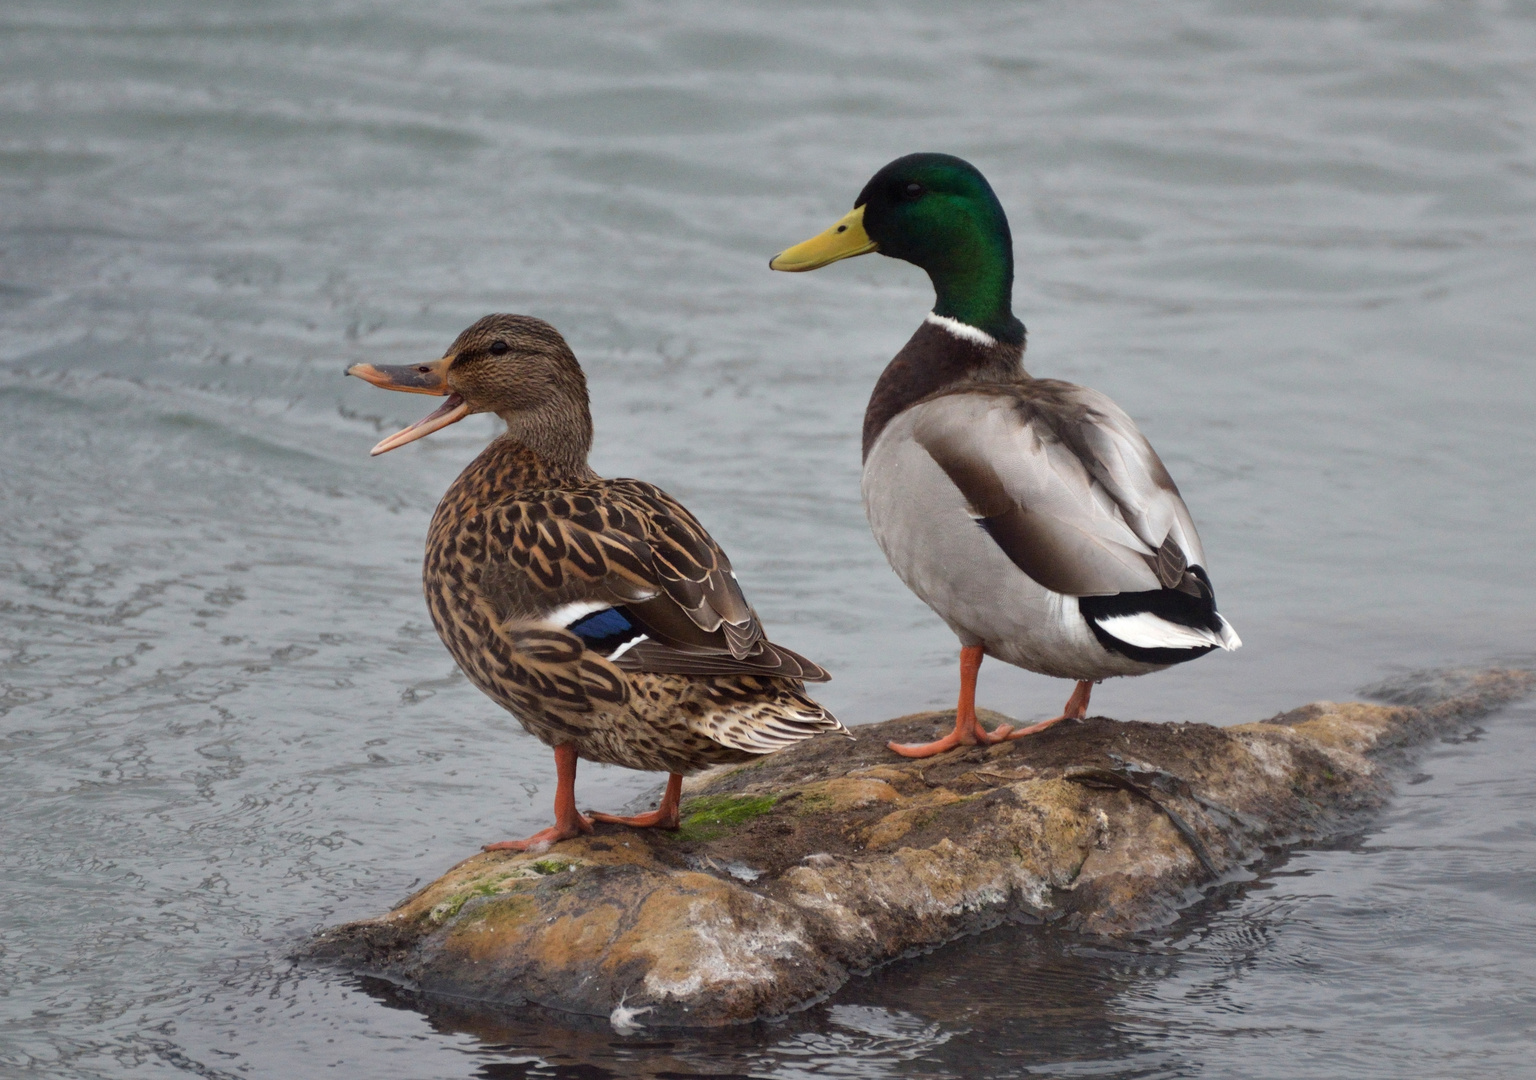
510 543
529 542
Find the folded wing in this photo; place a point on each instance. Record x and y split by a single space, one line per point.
627 568
1064 483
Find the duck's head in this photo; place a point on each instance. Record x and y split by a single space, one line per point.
515 366
938 212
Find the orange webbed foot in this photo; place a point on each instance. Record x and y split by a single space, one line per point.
1033 728
967 731
655 819
922 750
544 838
667 815
1075 709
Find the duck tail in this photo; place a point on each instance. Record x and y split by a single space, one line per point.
759 716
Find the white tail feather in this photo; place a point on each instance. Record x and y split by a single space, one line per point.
1229 638
1145 630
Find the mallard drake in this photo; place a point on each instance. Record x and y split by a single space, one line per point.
598 612
1030 514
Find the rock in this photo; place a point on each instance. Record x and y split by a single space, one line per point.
795 871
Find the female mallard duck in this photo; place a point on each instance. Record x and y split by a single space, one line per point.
598 612
1030 514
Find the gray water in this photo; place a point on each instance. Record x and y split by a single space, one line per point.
1293 238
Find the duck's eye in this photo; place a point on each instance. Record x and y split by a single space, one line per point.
500 347
913 191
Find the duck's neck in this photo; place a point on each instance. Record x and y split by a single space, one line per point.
558 437
531 455
944 352
973 285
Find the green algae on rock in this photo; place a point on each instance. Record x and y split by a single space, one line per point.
710 816
830 858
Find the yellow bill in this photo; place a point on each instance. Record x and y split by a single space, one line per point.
415 379
845 239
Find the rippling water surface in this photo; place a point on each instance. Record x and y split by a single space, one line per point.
1294 239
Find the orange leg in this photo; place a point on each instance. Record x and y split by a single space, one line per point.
1075 709
968 730
665 816
568 820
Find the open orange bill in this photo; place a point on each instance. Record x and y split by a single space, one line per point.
415 379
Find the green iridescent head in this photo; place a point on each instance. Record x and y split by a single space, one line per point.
938 212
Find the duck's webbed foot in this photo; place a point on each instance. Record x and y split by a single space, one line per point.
569 822
972 734
968 730
667 815
938 746
1075 709
655 819
541 840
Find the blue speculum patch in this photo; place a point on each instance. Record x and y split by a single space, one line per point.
606 630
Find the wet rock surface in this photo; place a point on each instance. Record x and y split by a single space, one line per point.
792 873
